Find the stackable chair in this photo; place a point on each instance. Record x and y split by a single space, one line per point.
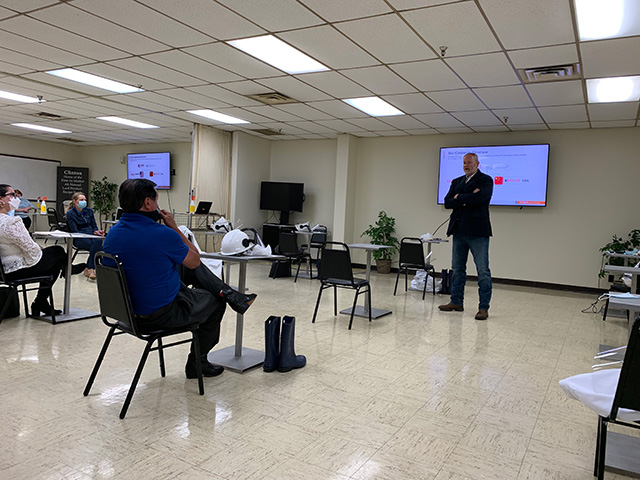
337 272
288 246
115 304
55 223
412 258
22 286
614 394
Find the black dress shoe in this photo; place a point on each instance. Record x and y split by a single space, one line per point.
75 269
208 370
38 308
239 302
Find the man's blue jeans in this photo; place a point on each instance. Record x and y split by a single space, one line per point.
479 247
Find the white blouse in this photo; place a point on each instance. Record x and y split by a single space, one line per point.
17 249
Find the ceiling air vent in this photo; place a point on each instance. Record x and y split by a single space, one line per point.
267 131
49 116
273 98
551 74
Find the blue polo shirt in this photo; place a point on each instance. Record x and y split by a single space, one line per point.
150 253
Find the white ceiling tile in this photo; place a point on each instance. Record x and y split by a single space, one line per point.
390 133
245 87
614 124
412 103
519 116
274 15
334 84
208 17
439 120
504 97
113 103
26 61
337 10
245 114
284 128
193 66
611 58
160 72
370 123
403 122
544 56
455 130
387 38
144 20
423 131
526 23
492 128
164 102
535 126
477 118
27 5
186 96
613 111
571 113
25 45
340 125
338 108
365 134
223 96
313 127
379 80
294 88
488 70
434 25
408 4
274 113
329 47
120 75
456 100
305 111
429 75
6 13
233 59
556 93
14 69
70 18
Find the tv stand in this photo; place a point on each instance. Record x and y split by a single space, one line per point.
284 218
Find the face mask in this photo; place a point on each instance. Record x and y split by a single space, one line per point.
155 215
82 204
14 203
11 213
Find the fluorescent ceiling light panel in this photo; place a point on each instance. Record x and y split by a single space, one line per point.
219 117
614 89
40 127
374 106
19 98
281 55
598 19
124 121
94 80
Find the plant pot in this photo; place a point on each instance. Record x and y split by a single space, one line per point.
383 266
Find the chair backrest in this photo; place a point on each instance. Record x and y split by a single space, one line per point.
119 212
288 244
319 236
52 216
336 262
411 252
628 391
113 292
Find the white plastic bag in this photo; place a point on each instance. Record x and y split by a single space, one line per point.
417 283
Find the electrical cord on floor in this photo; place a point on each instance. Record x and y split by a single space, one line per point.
593 307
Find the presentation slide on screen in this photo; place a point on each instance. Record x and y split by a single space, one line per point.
154 166
519 172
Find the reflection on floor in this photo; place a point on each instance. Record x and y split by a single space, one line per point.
418 394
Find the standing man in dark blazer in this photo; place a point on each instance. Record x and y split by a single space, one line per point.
470 226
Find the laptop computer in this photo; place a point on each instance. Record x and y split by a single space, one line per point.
203 208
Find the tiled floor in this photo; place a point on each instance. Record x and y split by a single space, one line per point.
418 394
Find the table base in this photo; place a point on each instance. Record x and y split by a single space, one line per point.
227 358
622 454
361 312
73 315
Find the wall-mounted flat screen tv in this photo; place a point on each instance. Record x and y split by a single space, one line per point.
153 166
284 197
519 172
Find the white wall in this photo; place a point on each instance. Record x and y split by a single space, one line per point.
28 147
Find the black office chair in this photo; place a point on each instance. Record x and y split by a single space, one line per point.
337 272
412 258
115 303
318 239
21 286
288 247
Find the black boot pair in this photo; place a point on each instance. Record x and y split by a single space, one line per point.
41 306
239 302
75 269
208 369
279 351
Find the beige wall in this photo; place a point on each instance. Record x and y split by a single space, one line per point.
27 147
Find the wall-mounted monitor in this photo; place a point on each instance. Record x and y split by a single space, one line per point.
519 172
153 166
284 197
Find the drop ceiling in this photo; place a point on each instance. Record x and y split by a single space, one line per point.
177 52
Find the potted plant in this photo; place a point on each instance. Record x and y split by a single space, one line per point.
383 233
103 196
620 245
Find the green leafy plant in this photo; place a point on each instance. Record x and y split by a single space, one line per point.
383 233
103 197
620 245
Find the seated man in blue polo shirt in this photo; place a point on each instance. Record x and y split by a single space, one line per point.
151 254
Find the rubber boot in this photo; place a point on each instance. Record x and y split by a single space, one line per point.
202 277
288 358
272 343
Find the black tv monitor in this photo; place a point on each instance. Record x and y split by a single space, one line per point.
284 197
519 172
153 166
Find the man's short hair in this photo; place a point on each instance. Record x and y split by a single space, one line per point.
471 154
133 192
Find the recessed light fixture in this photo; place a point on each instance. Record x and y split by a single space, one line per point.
40 127
124 121
94 80
599 19
16 97
374 106
281 55
217 116
614 89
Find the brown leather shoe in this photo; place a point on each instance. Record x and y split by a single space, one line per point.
482 315
451 307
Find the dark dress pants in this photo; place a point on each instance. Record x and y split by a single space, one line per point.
53 262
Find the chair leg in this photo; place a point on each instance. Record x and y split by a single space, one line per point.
606 309
335 300
426 278
196 349
26 302
602 448
369 297
353 308
163 373
315 312
96 367
397 278
297 271
53 308
136 378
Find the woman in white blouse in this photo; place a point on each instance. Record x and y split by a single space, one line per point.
22 257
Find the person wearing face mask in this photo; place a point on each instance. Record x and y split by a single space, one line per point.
23 209
80 219
23 258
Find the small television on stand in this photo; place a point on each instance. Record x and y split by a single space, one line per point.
285 197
